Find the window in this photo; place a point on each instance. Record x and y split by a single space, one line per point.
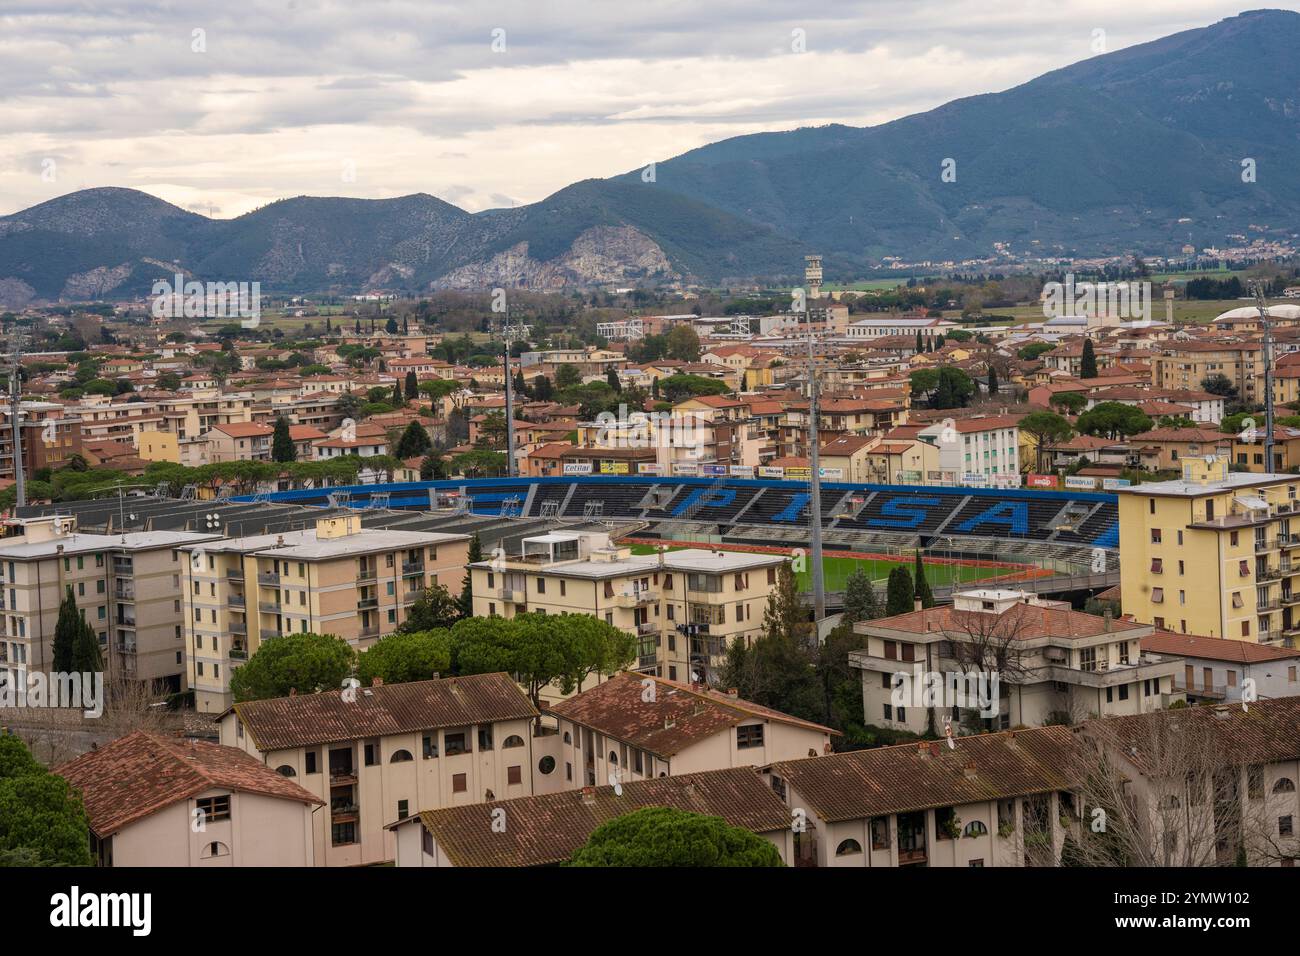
1255 781
976 828
310 761
403 809
514 774
1157 565
371 755
343 834
430 746
1284 785
750 735
848 848
484 738
455 743
514 740
214 808
400 756
459 783
1157 595
547 765
1284 827
285 770
880 833
1155 535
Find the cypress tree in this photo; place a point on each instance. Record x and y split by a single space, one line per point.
993 381
922 587
281 443
86 658
466 601
1088 361
412 386
66 631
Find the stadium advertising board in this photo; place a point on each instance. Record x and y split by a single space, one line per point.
1110 484
771 471
798 474
1041 481
720 470
831 474
649 468
613 468
686 468
1080 483
577 468
742 471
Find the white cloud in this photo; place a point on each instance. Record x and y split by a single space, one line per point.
411 94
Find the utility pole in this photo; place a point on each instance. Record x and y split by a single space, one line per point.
1262 303
813 278
15 393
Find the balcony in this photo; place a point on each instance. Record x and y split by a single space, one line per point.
628 599
512 595
1268 574
234 575
366 604
238 627
270 632
1272 604
412 567
1265 544
235 600
647 627
238 654
270 607
368 631
124 592
269 578
647 661
367 573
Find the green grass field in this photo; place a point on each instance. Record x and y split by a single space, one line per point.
836 570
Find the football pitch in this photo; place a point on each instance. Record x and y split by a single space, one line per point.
836 570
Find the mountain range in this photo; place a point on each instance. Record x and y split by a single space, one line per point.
1140 150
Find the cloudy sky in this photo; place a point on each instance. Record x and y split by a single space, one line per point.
221 106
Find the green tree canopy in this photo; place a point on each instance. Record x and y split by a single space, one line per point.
663 836
899 592
406 656
282 449
306 663
434 609
42 820
1113 420
860 600
414 442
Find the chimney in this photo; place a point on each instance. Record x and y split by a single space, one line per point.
969 771
934 749
922 749
916 604
437 675
588 796
1106 622
376 682
733 692
293 692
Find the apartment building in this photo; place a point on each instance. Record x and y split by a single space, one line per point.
336 578
633 727
165 801
546 829
1213 553
1186 365
1051 664
1216 670
976 450
684 606
389 752
48 434
979 804
127 587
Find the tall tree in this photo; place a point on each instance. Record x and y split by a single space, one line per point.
412 385
899 592
67 630
467 587
403 657
665 836
42 819
414 442
1088 361
306 663
860 600
86 656
921 588
435 609
784 615
282 449
993 381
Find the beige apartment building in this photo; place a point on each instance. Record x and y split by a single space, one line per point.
165 801
336 578
128 586
1052 663
684 607
633 728
379 754
1186 365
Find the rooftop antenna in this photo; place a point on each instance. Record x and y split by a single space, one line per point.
1261 302
15 391
813 279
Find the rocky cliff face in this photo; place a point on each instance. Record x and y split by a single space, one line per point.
601 255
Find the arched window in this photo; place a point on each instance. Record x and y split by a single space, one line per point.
613 759
568 737
848 847
546 764
1284 785
976 829
400 756
285 770
213 850
514 740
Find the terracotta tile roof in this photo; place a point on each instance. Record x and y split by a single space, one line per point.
1025 622
244 429
1269 731
547 829
286 722
678 717
1214 648
142 773
1183 435
910 777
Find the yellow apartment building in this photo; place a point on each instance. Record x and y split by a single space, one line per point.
1213 553
684 607
336 578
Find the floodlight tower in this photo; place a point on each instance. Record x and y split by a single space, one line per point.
15 395
509 333
1261 303
813 281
